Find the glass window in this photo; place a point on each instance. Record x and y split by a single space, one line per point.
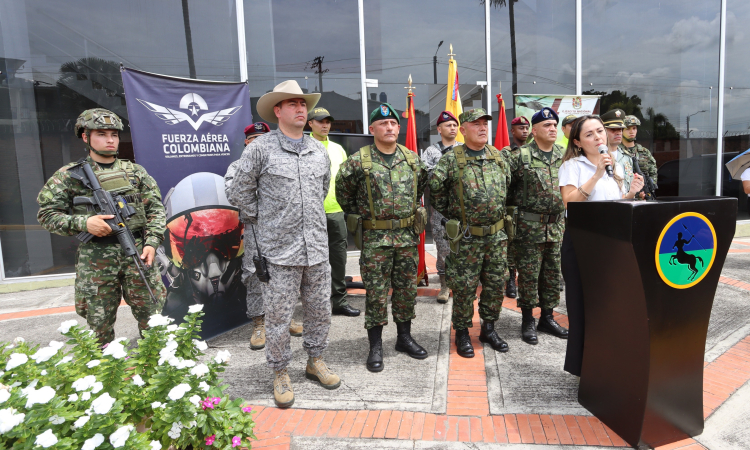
60 58
316 43
659 62
404 38
541 35
736 96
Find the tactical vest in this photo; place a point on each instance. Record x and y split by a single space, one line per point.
490 153
529 163
120 182
372 224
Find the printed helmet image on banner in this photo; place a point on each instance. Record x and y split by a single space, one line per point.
202 250
686 250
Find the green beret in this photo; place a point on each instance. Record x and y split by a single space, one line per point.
384 111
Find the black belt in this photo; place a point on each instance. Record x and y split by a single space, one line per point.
540 218
112 239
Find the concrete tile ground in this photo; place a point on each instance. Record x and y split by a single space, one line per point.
519 400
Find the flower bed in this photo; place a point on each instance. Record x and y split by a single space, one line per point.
153 396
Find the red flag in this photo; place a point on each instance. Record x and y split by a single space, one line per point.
411 144
502 139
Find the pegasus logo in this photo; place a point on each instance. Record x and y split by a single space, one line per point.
194 103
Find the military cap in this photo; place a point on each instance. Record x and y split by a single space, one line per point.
545 113
613 118
319 113
97 119
384 111
631 120
474 114
257 128
570 118
446 116
520 120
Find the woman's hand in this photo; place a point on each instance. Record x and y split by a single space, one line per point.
635 186
604 160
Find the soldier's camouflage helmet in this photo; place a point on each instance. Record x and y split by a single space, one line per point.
97 119
632 120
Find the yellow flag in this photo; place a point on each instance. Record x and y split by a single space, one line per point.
453 98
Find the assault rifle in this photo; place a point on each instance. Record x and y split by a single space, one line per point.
118 207
649 188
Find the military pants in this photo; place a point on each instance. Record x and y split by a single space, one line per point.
311 284
381 269
441 244
538 274
104 276
337 257
512 258
254 296
478 259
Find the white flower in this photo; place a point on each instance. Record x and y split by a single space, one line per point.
65 359
81 421
44 354
158 320
67 325
199 370
73 398
191 424
86 396
192 309
203 385
84 383
195 400
15 360
222 356
155 405
138 381
29 388
41 396
185 363
46 439
118 438
93 442
176 430
56 344
57 420
98 386
200 345
9 419
4 395
43 372
115 350
174 362
103 403
18 340
155 445
178 391
172 328
93 363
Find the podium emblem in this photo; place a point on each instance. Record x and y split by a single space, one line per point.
686 250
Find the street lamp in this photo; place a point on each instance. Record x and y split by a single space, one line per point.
434 61
688 122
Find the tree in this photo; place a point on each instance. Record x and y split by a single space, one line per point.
655 124
91 83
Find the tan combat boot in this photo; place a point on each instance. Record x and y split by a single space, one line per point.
258 336
444 291
318 371
295 328
283 394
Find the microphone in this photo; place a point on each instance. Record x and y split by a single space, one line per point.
602 150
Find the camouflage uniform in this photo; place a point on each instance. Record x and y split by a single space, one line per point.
431 155
254 297
281 185
626 161
479 258
389 257
537 244
103 274
645 160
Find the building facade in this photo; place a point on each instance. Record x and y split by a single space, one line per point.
679 65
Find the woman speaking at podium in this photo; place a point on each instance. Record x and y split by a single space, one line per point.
588 173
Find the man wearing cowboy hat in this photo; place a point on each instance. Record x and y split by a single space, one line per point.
254 296
281 183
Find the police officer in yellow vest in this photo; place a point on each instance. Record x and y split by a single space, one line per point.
320 122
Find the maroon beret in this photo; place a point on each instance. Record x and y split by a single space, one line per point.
257 128
446 116
520 120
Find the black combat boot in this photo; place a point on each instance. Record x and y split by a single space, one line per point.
489 336
463 343
375 358
511 291
547 324
528 326
405 343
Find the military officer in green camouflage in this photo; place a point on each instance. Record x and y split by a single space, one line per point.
540 213
468 187
382 184
645 160
103 274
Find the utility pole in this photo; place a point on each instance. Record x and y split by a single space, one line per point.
188 38
434 62
688 122
318 62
